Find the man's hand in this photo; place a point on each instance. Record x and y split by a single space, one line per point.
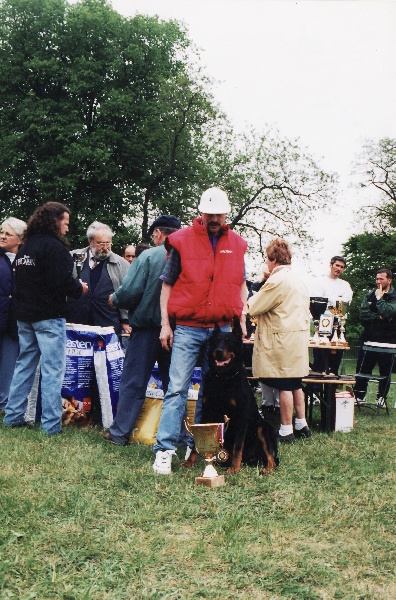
379 292
166 334
110 301
242 321
166 337
126 328
84 287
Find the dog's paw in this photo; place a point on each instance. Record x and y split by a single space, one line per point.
265 471
187 463
232 470
272 464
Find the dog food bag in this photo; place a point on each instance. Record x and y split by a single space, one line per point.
78 379
155 390
109 362
92 352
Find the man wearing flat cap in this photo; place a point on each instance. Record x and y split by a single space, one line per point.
140 294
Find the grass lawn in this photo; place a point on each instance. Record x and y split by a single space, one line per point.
83 519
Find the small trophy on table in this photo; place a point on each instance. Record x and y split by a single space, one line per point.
335 311
317 306
343 307
339 309
209 440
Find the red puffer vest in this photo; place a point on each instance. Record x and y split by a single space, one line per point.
208 289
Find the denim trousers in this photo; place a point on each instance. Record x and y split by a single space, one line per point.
46 339
9 349
143 350
188 343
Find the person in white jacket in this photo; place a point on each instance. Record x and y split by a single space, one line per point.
334 289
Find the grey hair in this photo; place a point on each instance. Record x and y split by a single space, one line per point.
95 227
17 225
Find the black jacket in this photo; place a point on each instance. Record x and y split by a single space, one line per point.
43 277
7 300
379 318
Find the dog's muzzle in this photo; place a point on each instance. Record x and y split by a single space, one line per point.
222 358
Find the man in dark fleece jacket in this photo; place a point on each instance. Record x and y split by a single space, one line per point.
43 275
378 317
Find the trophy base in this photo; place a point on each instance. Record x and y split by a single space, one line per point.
210 481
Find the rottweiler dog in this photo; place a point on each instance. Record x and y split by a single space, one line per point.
248 439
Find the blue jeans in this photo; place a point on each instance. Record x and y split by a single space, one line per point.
9 350
144 348
188 342
48 339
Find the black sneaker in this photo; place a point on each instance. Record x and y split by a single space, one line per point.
305 432
27 424
286 438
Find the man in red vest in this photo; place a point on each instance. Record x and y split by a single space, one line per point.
203 284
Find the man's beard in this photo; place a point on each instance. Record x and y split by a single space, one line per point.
101 254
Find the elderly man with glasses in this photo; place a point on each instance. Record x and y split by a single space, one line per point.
103 271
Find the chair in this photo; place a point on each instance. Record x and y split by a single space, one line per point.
386 379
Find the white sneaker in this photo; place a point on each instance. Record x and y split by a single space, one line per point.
315 400
380 402
360 401
163 462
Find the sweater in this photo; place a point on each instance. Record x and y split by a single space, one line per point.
43 277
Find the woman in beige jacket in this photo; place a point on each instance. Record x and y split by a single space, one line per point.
280 354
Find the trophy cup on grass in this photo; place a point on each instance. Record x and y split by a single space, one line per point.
79 258
209 439
317 306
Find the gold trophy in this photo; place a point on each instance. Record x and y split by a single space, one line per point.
339 309
209 440
333 307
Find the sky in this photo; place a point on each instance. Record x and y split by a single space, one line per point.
321 71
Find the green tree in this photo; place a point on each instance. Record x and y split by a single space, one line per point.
376 166
365 254
97 111
275 185
115 117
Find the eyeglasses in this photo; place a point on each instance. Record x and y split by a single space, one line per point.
103 244
7 234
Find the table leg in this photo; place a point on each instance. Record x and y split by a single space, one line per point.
329 394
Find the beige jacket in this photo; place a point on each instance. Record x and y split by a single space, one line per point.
282 333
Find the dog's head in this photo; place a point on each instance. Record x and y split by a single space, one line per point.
226 348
